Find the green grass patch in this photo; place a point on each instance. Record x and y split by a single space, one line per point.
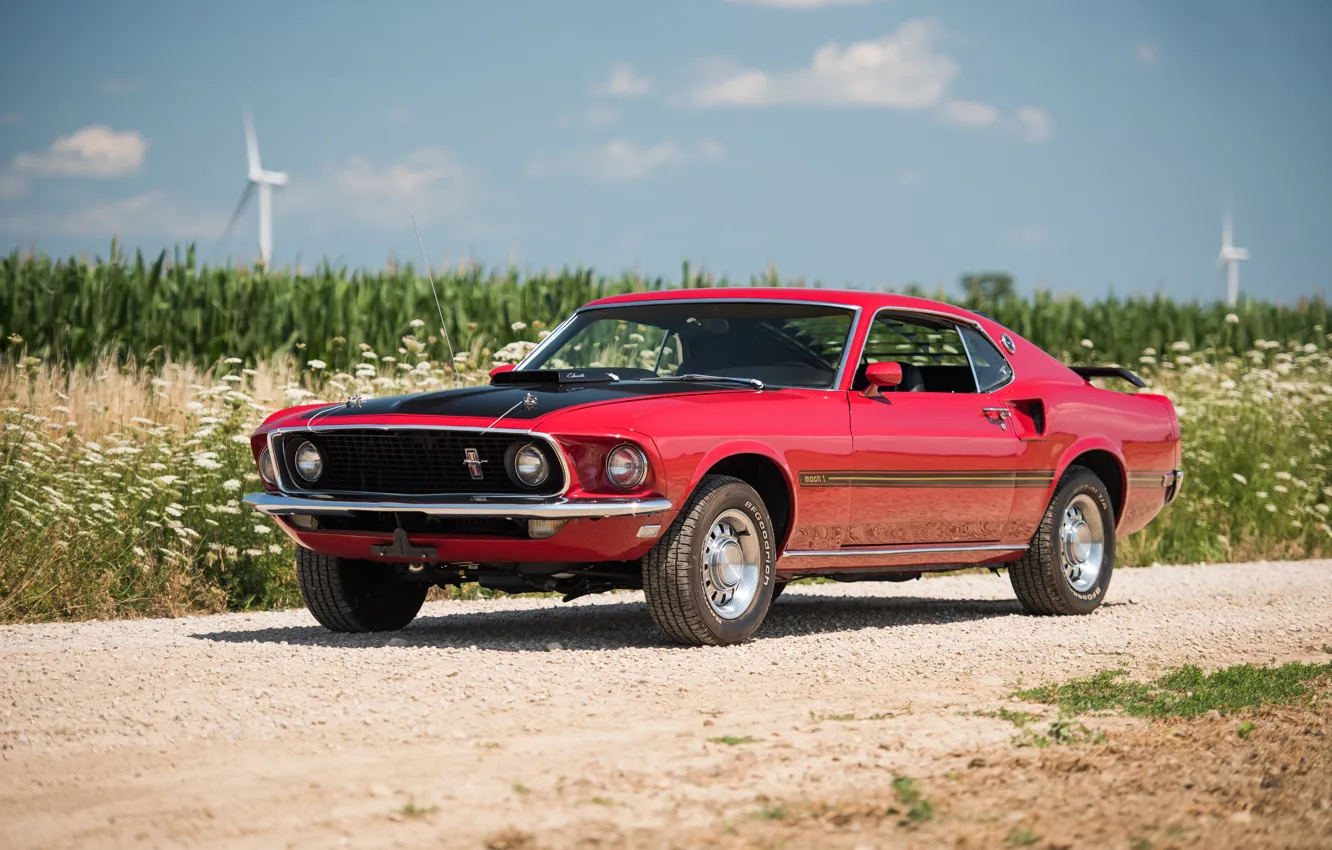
919 810
732 740
411 810
1021 836
1017 718
771 813
1186 692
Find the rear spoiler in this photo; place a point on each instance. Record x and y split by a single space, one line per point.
1090 372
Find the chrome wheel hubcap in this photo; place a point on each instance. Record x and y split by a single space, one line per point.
731 564
1082 541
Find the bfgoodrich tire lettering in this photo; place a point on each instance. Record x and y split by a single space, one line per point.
675 578
1039 577
356 596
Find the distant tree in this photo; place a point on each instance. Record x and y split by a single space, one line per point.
987 287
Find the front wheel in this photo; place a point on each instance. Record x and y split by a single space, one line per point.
709 580
1067 568
356 596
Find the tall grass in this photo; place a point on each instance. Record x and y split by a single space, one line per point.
79 310
120 482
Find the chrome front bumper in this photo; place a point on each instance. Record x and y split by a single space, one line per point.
557 509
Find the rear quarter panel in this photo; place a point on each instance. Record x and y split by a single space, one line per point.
1139 431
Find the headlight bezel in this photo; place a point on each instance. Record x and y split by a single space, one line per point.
318 462
529 450
268 467
637 463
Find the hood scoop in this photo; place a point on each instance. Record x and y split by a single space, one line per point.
531 377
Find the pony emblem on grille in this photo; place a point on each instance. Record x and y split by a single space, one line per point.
472 460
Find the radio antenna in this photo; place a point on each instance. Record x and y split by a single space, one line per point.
443 326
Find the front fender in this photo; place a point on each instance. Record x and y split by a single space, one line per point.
740 447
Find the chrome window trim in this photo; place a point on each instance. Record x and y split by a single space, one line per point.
283 471
975 375
899 550
853 309
960 320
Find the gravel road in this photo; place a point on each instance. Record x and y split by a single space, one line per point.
529 722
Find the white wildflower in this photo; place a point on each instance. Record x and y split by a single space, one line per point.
231 484
262 529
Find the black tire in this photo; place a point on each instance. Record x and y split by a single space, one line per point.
1038 576
673 571
356 596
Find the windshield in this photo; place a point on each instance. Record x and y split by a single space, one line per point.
779 343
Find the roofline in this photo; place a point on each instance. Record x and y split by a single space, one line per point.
846 297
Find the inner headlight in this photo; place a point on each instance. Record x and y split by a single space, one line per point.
267 469
309 464
626 467
530 466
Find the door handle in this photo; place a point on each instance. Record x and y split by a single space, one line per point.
997 413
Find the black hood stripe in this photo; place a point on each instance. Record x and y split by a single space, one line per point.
508 401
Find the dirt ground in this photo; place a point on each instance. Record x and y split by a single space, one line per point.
527 723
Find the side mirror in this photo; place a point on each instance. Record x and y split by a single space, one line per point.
880 376
500 369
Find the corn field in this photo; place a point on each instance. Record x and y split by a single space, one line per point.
78 311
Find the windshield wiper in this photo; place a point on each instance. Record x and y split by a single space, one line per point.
720 379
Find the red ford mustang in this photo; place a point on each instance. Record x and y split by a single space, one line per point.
711 446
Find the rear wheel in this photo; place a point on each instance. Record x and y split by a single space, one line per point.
1067 568
356 596
709 580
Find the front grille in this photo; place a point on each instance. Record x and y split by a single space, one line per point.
414 462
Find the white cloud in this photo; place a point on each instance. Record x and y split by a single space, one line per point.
801 4
620 160
902 70
1035 122
428 182
1146 54
94 151
624 81
153 214
969 113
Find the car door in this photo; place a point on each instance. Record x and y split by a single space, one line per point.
935 461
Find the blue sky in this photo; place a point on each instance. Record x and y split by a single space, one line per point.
1079 146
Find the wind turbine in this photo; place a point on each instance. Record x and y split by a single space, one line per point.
265 181
1230 257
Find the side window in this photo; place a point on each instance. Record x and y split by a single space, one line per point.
992 370
932 354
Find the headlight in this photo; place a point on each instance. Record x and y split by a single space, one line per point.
626 467
267 469
530 466
309 465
